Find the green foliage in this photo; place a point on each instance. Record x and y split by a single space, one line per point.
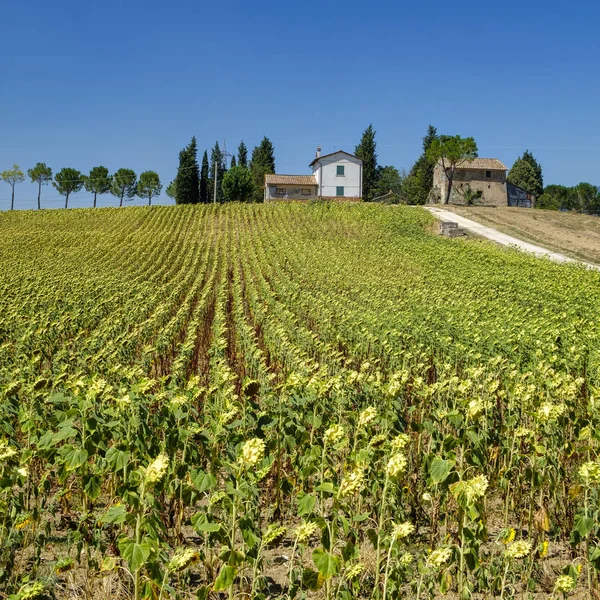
451 151
187 181
261 164
187 392
238 184
539 188
40 174
242 155
13 177
204 180
98 182
68 181
389 179
123 185
233 162
421 175
171 190
149 186
584 197
522 174
366 150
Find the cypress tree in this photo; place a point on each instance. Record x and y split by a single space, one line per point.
233 163
421 174
242 155
204 183
367 151
188 177
263 162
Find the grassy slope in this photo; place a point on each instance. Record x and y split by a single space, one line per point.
574 235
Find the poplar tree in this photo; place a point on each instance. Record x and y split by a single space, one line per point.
367 152
204 174
187 181
40 174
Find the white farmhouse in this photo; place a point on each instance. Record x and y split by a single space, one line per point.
335 176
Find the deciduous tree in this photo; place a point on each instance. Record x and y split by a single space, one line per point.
40 174
187 182
238 184
124 185
389 179
97 182
13 177
68 181
149 186
451 151
171 190
366 150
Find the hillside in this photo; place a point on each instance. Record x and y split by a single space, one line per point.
574 235
266 401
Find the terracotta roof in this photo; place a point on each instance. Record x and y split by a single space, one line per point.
491 164
271 179
317 158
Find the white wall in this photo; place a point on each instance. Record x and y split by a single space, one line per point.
325 170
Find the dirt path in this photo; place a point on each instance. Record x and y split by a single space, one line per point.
502 238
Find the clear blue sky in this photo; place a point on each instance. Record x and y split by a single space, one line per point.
126 84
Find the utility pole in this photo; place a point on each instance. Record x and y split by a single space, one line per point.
224 155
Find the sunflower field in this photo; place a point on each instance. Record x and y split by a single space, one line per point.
292 401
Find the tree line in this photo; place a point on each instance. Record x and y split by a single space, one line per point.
123 184
214 181
243 179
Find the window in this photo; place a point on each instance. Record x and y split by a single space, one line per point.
339 190
488 174
340 170
306 192
280 191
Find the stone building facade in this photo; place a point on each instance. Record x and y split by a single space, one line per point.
481 181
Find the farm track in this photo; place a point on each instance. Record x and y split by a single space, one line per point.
199 375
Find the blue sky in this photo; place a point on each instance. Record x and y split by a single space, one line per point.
126 84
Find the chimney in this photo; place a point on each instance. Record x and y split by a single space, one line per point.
318 151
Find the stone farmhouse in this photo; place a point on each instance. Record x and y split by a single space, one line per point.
335 176
482 182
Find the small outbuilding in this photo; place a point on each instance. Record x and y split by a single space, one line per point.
481 182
